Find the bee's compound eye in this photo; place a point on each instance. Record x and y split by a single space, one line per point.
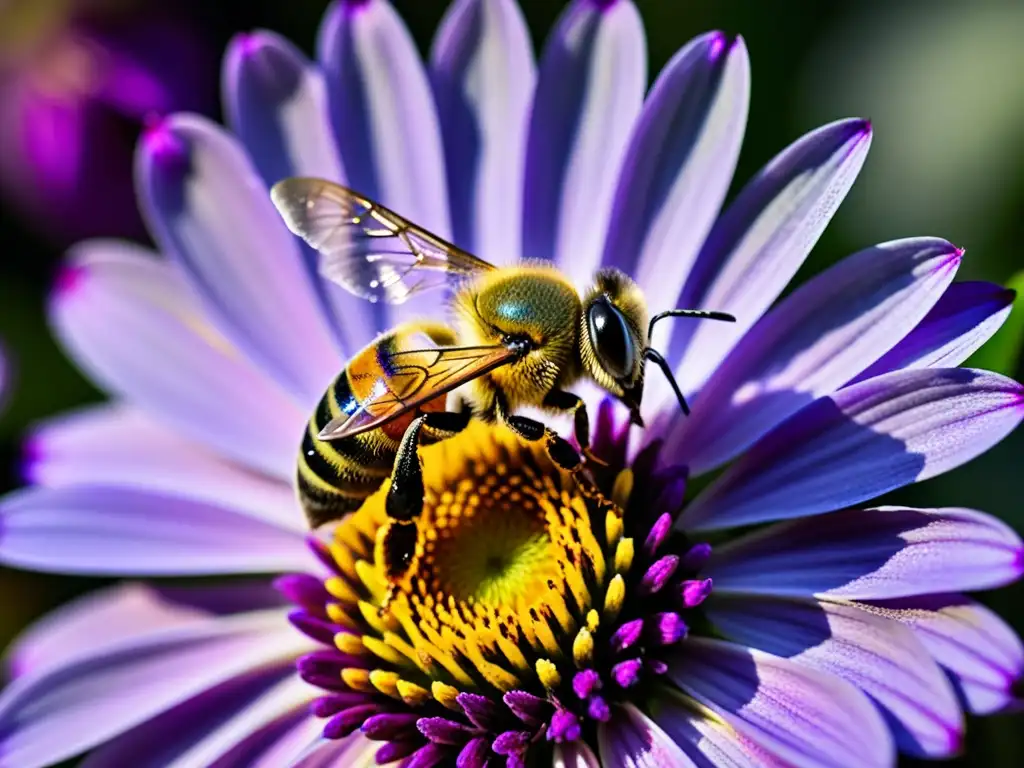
611 338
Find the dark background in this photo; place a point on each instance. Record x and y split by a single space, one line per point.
943 83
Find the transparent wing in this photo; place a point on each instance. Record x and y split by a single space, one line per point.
369 250
414 377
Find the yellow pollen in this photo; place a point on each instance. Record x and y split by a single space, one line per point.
614 596
386 682
357 679
583 648
412 694
623 488
612 529
624 555
548 674
508 581
350 643
445 695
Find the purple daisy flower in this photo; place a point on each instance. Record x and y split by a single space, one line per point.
764 619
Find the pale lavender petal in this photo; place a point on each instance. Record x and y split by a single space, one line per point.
812 343
95 698
115 444
959 323
482 72
286 749
632 740
680 161
879 656
803 715
130 321
984 655
871 554
590 88
162 741
209 210
383 113
709 741
574 754
355 752
275 100
760 241
264 710
861 442
122 531
92 623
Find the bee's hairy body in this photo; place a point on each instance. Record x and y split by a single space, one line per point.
529 301
534 301
521 336
335 477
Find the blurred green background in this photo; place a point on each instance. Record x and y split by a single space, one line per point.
942 81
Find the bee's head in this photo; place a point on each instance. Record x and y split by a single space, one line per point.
613 337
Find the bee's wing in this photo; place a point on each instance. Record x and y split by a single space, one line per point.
366 248
414 377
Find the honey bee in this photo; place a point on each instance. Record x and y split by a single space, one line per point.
521 336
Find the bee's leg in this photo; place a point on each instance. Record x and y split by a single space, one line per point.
566 401
559 449
404 501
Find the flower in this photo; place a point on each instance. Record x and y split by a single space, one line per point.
76 84
763 618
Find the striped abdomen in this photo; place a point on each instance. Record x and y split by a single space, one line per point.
335 477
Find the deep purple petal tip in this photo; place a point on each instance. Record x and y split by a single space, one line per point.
164 146
69 277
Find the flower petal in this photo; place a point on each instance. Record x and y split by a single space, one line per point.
92 699
803 715
482 72
91 623
208 209
132 324
871 554
816 340
285 698
632 740
122 531
861 442
287 748
959 323
169 738
275 100
879 656
679 164
574 754
590 88
984 655
115 444
707 739
760 241
384 118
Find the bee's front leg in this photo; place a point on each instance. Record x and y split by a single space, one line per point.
559 399
404 501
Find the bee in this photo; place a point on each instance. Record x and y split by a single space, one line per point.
521 336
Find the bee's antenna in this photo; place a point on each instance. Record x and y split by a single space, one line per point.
703 314
655 357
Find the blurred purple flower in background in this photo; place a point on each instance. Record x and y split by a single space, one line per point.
839 629
77 81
